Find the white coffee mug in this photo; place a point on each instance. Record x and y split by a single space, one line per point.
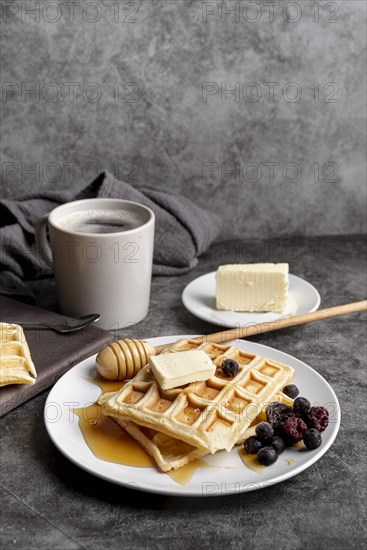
101 251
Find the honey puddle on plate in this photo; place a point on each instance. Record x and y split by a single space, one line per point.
105 385
252 463
109 442
184 474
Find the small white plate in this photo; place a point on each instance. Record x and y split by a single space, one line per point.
199 298
226 474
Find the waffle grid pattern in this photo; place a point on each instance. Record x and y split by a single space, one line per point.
16 366
170 453
210 415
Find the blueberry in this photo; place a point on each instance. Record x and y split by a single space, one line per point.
301 405
230 367
267 456
252 445
291 391
264 431
312 439
278 443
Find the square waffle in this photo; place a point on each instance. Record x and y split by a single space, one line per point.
210 415
170 453
16 366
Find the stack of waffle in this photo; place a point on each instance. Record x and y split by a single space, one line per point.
179 425
16 366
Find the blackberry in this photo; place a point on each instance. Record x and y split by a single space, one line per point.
230 367
293 430
291 391
277 413
301 406
312 439
278 444
252 445
317 418
264 431
267 456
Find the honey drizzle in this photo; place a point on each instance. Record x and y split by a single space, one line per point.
253 464
111 443
105 385
108 441
183 475
251 461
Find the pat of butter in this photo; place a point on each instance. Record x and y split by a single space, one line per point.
176 369
252 287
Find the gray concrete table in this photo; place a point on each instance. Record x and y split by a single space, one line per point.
48 503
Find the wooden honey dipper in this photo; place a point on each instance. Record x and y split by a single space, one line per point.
123 359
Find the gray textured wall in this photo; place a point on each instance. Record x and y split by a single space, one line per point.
139 87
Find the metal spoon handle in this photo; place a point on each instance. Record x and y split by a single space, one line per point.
70 325
34 324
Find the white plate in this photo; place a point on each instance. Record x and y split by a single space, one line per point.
199 298
226 474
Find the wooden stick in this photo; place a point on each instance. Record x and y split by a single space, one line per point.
286 322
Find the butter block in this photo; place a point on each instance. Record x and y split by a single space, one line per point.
172 370
252 287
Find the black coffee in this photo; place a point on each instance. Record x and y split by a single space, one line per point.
101 221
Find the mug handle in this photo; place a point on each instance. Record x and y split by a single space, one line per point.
42 244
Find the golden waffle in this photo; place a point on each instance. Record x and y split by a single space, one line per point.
170 453
16 366
211 415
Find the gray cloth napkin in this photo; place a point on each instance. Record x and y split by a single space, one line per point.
183 230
